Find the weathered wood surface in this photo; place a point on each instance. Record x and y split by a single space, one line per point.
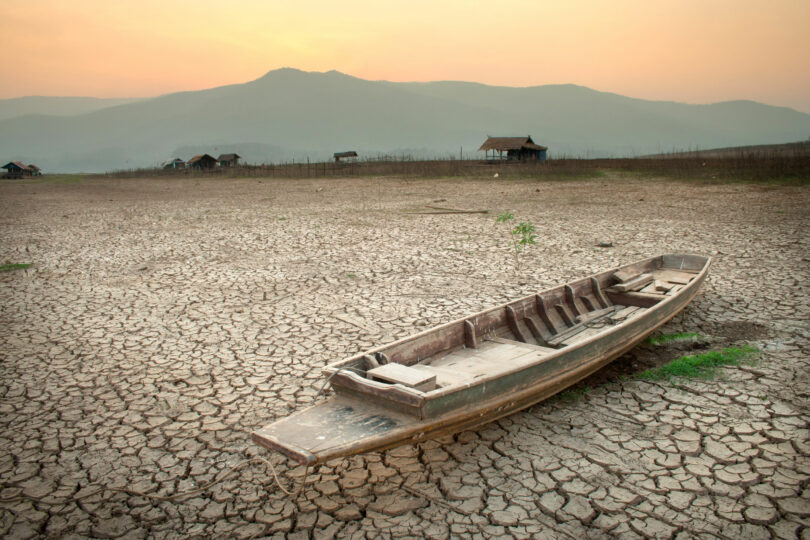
542 312
470 337
674 276
514 326
505 372
684 263
400 374
338 423
625 274
597 291
539 348
634 284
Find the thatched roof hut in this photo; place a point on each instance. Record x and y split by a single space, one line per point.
514 148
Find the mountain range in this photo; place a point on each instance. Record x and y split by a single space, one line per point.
290 114
55 106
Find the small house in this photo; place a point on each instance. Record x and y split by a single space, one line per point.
17 169
175 163
202 161
513 149
35 171
345 155
229 160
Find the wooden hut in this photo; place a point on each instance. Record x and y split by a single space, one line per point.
344 155
513 149
17 169
229 160
202 161
35 171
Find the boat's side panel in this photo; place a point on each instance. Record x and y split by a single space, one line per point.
393 396
426 345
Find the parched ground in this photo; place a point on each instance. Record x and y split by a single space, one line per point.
164 319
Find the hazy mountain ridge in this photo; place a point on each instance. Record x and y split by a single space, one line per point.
289 114
56 106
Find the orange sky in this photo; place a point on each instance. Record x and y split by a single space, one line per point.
697 51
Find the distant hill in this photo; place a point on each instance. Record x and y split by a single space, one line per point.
56 106
290 114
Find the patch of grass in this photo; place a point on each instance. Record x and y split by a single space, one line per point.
699 366
672 338
351 275
8 267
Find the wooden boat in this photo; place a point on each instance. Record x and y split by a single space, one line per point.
477 369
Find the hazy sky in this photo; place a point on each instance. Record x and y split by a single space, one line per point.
696 51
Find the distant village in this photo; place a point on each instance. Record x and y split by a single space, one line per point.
203 161
501 148
495 148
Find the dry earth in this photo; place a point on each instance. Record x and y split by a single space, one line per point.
163 320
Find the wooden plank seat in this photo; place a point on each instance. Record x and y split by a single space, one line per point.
398 374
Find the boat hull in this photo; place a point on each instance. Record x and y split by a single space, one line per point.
348 424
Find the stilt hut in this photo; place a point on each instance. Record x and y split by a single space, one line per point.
513 149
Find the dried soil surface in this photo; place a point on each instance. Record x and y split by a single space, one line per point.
164 319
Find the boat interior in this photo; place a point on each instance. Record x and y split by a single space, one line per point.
521 332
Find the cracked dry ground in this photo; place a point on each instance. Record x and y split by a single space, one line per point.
163 320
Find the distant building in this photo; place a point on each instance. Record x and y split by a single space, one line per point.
514 148
175 163
229 160
202 161
17 169
36 171
345 155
